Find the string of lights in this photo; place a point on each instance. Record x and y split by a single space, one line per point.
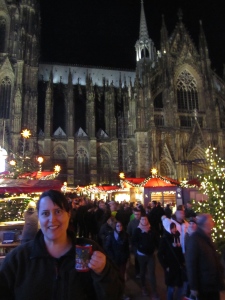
213 184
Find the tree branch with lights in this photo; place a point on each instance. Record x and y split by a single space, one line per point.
213 185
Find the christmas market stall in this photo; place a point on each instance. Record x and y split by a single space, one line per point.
154 188
107 192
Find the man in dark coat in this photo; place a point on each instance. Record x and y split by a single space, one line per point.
204 270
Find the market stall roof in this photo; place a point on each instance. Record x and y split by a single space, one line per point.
106 189
194 182
151 181
37 175
28 185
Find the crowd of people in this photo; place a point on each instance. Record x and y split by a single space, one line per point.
181 242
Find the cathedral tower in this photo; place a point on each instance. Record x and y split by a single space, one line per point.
19 57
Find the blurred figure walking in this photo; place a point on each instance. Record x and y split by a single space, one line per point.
204 270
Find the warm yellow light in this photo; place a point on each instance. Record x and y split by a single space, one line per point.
40 159
57 168
12 162
26 134
154 171
122 175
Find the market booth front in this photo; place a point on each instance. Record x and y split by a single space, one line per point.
154 188
106 192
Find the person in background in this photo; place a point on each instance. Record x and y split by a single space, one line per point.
117 248
73 214
168 211
192 227
204 269
30 227
123 214
102 214
190 230
172 260
154 218
179 219
132 225
145 241
81 217
188 211
44 268
160 213
105 231
113 208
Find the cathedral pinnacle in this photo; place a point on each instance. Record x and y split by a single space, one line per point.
180 15
143 24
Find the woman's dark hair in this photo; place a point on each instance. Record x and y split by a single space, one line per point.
172 225
57 197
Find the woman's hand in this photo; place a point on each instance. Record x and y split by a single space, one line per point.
97 262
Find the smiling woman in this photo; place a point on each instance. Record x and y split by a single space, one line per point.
51 257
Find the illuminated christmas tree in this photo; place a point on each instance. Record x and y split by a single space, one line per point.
213 185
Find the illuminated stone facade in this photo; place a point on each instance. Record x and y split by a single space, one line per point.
96 122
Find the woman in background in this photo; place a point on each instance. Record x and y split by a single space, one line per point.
30 227
172 260
117 248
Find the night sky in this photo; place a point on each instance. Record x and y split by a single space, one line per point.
104 32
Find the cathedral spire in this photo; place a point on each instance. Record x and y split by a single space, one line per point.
144 46
203 47
164 38
143 25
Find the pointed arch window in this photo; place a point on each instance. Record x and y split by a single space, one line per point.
5 95
2 34
159 120
104 167
165 169
81 165
187 95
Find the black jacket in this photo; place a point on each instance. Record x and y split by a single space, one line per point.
118 250
145 242
172 259
29 272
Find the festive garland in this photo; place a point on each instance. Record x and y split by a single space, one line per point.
146 180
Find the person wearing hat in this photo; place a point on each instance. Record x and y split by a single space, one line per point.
204 270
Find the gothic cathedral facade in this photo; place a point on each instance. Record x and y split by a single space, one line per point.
97 122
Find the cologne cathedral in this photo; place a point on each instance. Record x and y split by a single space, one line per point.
96 122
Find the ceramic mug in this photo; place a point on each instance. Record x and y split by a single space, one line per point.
83 255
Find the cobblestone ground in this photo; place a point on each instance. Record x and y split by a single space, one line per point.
133 287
